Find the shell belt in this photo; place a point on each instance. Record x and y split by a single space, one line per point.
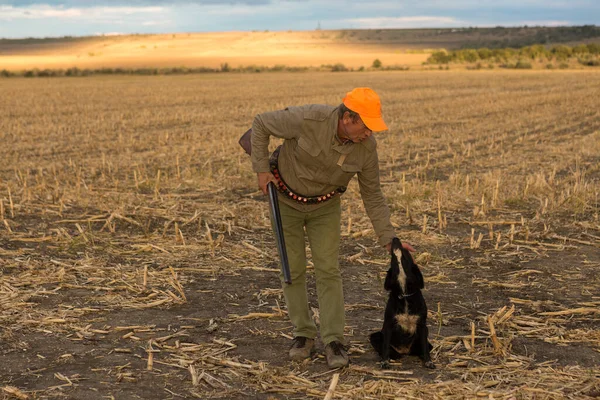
289 193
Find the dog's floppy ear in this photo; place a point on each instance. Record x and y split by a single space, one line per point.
419 276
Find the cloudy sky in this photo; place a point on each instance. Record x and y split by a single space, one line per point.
46 18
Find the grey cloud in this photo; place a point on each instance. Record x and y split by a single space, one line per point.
334 4
130 3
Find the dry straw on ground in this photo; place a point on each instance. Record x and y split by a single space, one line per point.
136 258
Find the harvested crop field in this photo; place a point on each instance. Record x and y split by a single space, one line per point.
137 262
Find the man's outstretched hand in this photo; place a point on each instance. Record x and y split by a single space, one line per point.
405 246
263 179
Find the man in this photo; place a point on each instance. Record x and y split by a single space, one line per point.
324 147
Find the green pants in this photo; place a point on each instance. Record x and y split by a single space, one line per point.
323 230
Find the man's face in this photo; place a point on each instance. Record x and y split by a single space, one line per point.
355 131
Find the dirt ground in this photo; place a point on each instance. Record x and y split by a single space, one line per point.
136 259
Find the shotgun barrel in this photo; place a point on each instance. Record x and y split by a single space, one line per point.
276 215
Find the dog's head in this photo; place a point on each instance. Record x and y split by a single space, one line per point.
409 275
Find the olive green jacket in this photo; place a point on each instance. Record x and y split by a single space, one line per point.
312 160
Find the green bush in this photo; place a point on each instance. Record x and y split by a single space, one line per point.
252 68
47 73
500 54
593 48
468 55
72 72
144 71
503 54
339 67
563 65
533 52
397 67
278 67
590 62
377 63
439 57
561 52
580 49
297 69
523 65
484 53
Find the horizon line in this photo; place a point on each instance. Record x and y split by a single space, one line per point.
117 34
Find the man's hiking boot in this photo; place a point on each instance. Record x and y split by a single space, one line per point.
302 348
336 354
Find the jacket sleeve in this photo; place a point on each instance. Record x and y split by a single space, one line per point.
284 124
372 196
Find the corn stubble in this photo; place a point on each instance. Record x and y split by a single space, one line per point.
135 190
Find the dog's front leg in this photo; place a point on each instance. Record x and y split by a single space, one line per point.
422 334
388 327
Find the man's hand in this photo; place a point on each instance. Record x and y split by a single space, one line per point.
263 179
405 246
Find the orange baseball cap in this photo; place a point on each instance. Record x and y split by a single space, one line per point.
366 103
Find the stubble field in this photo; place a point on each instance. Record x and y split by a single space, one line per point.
136 258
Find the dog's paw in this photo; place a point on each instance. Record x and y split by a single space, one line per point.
385 365
429 364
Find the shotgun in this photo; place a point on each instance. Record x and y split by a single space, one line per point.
276 216
245 142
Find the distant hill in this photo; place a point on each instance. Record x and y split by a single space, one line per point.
353 48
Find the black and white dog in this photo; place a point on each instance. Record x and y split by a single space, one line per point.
405 320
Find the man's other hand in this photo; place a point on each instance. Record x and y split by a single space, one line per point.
263 179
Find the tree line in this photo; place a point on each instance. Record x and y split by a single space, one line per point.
534 52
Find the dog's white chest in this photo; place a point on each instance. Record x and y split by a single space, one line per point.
407 322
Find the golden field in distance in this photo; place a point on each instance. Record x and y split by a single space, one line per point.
211 50
353 48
